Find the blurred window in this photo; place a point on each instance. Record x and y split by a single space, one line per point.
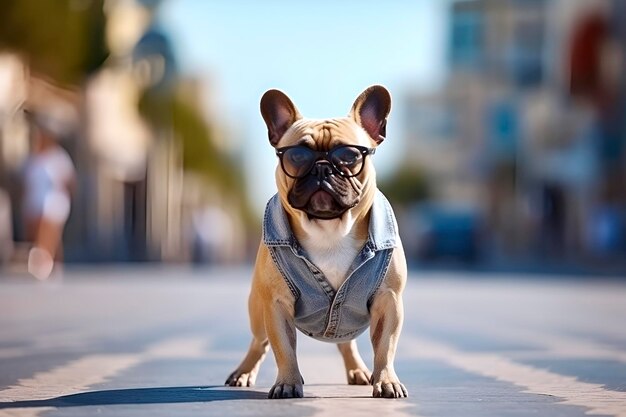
466 48
526 52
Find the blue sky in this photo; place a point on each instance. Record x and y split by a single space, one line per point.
321 53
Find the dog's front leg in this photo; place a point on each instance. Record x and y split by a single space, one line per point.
281 331
386 323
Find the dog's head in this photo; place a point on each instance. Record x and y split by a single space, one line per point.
325 173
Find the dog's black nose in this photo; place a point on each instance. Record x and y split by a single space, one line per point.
322 169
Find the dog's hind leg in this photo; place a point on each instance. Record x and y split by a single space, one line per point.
246 373
356 370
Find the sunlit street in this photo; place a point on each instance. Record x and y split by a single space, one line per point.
161 341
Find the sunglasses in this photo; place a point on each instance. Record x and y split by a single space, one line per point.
346 160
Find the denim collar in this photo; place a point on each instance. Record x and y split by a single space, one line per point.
383 230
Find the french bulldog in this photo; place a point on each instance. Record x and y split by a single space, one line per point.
331 263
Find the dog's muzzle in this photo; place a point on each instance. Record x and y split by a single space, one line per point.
323 194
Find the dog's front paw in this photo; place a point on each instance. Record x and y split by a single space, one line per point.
387 385
281 390
389 390
241 378
359 376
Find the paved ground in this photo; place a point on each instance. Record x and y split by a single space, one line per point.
160 342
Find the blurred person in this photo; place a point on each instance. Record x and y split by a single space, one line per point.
212 234
553 215
6 227
49 178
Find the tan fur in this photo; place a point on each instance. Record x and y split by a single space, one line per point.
271 303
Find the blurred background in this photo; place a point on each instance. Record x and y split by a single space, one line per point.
130 130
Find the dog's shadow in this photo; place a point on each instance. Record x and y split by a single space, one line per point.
160 395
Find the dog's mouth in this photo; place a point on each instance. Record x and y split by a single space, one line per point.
320 205
323 206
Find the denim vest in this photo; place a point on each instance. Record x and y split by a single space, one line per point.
320 311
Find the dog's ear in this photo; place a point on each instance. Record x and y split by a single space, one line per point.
279 114
370 111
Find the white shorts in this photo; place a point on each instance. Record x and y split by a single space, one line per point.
56 207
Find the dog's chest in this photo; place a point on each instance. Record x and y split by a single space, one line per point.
332 258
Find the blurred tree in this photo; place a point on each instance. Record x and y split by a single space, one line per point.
167 110
62 39
407 185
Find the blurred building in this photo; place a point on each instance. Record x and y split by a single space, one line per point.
527 136
135 200
145 205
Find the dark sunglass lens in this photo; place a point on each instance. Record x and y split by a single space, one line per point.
348 160
298 161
